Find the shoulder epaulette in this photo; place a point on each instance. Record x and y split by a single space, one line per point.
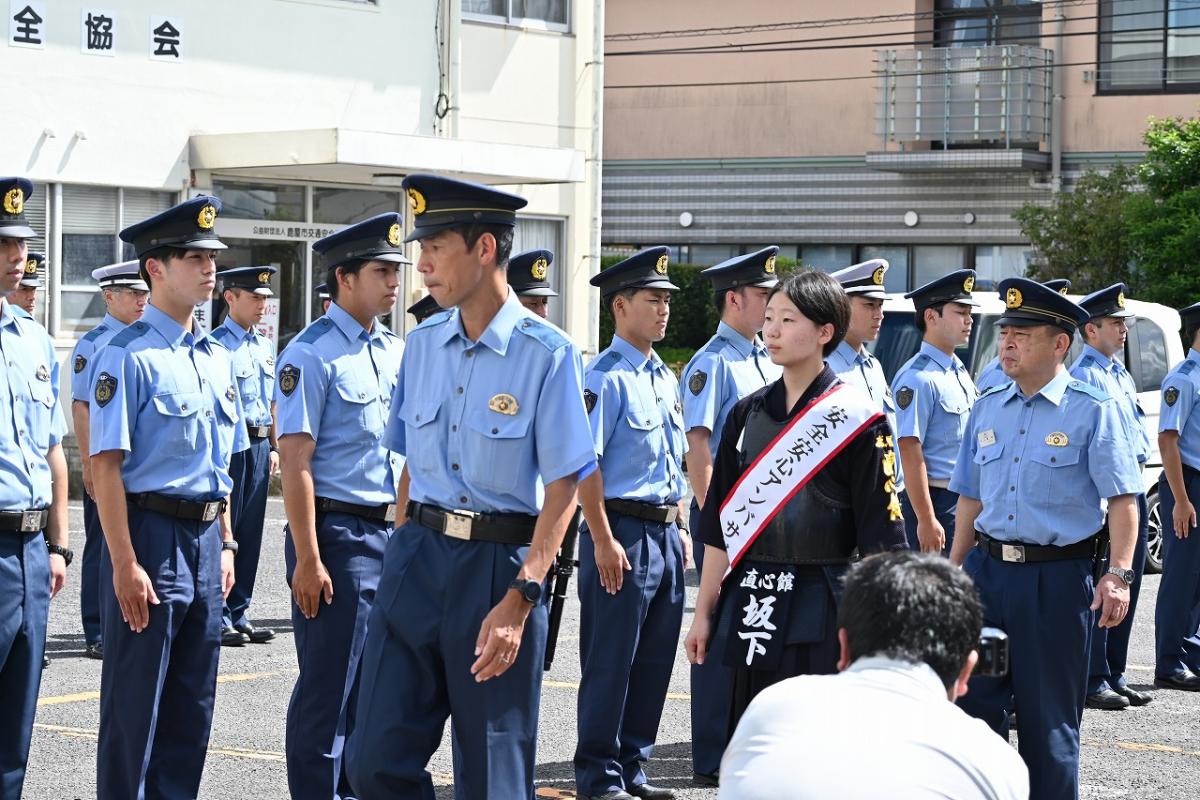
606 362
995 389
315 331
550 336
716 344
131 333
94 333
1088 389
1187 366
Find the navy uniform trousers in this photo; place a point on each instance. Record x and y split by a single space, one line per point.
167 672
416 673
24 606
711 686
1177 615
1110 646
945 502
320 714
250 471
1044 608
90 587
627 646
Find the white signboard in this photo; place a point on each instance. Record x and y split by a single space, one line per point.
273 229
27 24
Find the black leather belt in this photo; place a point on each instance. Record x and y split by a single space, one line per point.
1020 553
474 525
30 521
650 511
204 511
385 512
258 431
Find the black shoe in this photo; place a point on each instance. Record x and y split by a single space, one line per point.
233 638
648 792
1107 700
255 635
617 795
95 650
45 661
1134 697
1186 681
706 779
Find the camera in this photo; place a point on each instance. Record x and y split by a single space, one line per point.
993 654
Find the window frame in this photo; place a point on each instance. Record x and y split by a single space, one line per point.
1104 7
524 23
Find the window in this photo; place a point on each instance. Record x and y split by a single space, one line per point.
1149 45
343 206
546 233
1000 261
981 23
827 257
260 201
935 260
1146 354
551 13
896 278
706 255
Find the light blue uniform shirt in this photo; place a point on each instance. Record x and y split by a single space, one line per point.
486 424
722 372
254 367
1044 466
992 375
335 383
637 424
172 406
1110 375
861 369
934 395
1180 395
83 359
31 420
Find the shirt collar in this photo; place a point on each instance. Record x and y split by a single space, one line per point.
745 347
636 357
112 323
851 355
1052 391
920 676
497 334
7 317
238 331
941 359
1105 361
169 329
347 324
1193 355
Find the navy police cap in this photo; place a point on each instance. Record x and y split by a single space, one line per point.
35 267
424 308
1107 302
254 279
439 203
953 288
529 273
751 269
644 270
378 238
1028 303
13 194
865 279
1190 315
1060 285
188 226
322 291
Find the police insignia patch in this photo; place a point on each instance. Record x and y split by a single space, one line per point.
504 403
106 387
1170 396
904 397
42 373
230 394
589 399
80 364
289 377
14 200
1057 439
697 381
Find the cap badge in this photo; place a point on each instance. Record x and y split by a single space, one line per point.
661 266
538 270
877 276
14 200
264 278
31 267
1013 298
393 235
1057 439
769 266
1063 291
416 201
207 217
969 284
504 403
1120 299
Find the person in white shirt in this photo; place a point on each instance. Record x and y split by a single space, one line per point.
887 725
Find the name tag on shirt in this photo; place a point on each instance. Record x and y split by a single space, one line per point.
986 438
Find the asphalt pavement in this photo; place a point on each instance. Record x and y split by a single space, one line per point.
1147 753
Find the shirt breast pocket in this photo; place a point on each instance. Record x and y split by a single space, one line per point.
361 405
1055 474
643 426
179 415
956 407
40 409
247 379
495 450
421 437
991 480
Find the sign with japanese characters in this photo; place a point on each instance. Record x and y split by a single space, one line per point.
27 24
166 38
98 31
229 228
762 606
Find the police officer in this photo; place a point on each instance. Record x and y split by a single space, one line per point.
125 294
991 374
332 398
629 625
25 295
33 495
1177 613
1039 458
529 276
322 292
730 366
459 630
934 394
424 308
245 291
1102 364
165 421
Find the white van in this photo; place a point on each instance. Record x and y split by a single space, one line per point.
1153 347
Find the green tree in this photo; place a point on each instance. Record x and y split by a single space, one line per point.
1083 234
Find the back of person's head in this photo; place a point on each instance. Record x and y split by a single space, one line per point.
912 607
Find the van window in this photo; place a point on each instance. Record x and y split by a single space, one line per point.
1150 351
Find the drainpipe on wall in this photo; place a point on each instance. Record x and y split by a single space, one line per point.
1056 102
596 168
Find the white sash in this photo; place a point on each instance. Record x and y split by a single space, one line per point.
808 443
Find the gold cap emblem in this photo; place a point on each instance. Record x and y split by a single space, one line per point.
31 267
969 284
206 218
769 267
416 201
1063 290
877 276
661 266
264 278
14 200
538 270
393 236
1120 299
1013 298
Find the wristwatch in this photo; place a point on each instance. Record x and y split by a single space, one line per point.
229 545
1126 575
58 550
531 591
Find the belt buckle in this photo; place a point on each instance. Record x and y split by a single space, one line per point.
389 513
211 510
457 524
1012 552
31 521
